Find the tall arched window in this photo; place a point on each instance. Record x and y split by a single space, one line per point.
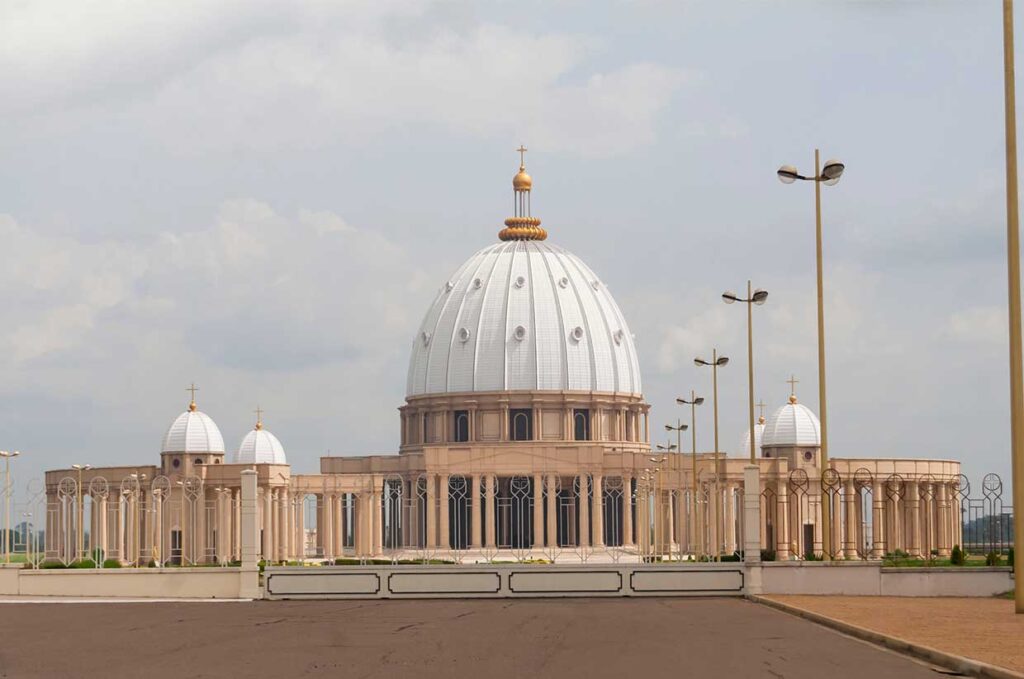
461 426
521 425
581 424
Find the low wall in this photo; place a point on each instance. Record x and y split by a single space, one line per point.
191 583
858 578
502 581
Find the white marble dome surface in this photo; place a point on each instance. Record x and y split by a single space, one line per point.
523 315
792 425
259 447
193 432
758 438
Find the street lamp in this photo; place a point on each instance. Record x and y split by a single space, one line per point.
828 175
757 297
716 362
693 403
81 529
658 519
7 455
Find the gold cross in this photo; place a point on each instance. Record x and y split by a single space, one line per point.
522 156
259 414
193 389
792 381
761 406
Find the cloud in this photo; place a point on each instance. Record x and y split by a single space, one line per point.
979 325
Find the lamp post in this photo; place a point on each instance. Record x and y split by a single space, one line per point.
1013 280
81 529
757 297
668 447
693 403
827 175
716 362
679 428
7 455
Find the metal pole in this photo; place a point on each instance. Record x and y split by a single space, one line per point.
718 489
826 509
7 511
1013 279
750 367
697 530
81 511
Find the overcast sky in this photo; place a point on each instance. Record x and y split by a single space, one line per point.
265 197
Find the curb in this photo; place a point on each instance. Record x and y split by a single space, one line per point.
933 655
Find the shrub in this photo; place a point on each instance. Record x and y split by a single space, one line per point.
111 563
54 564
811 556
992 559
1009 557
956 557
767 555
83 563
731 557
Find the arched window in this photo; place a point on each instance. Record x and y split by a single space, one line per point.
581 424
521 425
461 426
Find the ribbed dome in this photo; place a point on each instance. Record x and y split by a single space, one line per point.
259 447
523 315
792 425
193 432
758 438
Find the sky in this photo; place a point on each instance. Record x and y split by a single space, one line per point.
264 198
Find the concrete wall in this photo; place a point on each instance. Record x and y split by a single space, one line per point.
503 581
946 581
870 579
204 583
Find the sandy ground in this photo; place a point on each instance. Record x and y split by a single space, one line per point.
983 629
589 638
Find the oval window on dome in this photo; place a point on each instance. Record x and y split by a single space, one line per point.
576 334
477 283
448 286
520 333
425 336
595 284
618 336
520 282
464 334
563 282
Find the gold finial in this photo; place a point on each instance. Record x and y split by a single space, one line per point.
761 406
192 404
259 418
522 226
792 381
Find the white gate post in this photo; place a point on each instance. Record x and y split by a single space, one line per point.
752 527
249 587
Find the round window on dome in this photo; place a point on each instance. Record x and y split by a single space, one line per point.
808 455
425 336
595 284
520 333
448 286
618 336
477 283
176 462
563 282
576 334
464 334
520 282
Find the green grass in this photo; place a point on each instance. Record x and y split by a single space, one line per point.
908 562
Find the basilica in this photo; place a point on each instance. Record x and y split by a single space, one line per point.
525 435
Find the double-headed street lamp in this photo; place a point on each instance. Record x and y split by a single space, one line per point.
81 511
7 455
693 402
757 297
827 175
715 363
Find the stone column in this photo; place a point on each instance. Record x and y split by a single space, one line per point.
627 510
284 553
431 511
378 524
584 510
877 521
730 519
236 533
538 511
552 540
325 526
850 534
478 541
300 527
445 541
597 520
249 533
489 514
944 542
751 514
344 517
782 552
914 507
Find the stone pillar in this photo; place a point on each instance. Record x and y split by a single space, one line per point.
730 519
552 540
597 520
431 511
627 510
944 542
782 551
817 501
751 514
284 553
852 520
914 507
877 521
378 524
584 510
477 506
489 514
300 527
344 518
445 541
538 511
249 534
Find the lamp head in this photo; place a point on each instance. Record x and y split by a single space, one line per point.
729 297
832 171
668 427
722 360
788 174
699 361
760 297
698 401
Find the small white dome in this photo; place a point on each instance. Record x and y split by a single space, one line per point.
758 436
259 447
792 425
193 432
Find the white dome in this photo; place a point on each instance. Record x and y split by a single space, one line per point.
792 425
193 432
259 447
523 314
758 437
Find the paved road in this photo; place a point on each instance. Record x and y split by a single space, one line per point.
589 638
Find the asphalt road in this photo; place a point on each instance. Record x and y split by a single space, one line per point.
524 638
